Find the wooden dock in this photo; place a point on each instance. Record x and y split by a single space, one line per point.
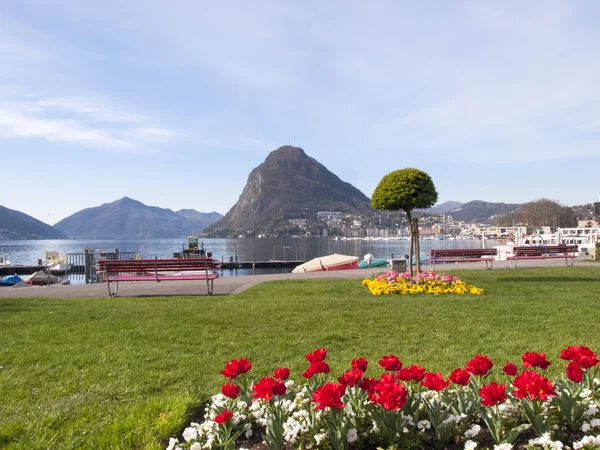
271 264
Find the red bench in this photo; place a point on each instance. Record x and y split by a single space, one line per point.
157 270
453 255
543 252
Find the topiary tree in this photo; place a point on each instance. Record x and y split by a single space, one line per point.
406 189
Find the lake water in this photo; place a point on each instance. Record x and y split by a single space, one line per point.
27 252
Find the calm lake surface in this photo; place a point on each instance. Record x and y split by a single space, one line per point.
28 252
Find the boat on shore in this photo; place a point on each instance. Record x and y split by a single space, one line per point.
3 261
11 281
328 263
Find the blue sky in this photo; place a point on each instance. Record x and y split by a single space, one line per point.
174 103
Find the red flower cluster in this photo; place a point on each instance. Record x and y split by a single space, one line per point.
388 393
510 369
574 372
236 367
480 365
532 359
493 394
267 387
230 390
360 364
330 394
283 373
224 417
368 384
317 365
580 355
315 368
316 355
412 373
533 385
435 381
351 377
391 363
460 377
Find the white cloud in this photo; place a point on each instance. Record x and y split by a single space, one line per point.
14 124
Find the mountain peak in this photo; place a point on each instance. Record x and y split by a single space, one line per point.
287 152
128 202
289 184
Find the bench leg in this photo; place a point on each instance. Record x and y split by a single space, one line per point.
489 267
572 261
114 293
512 263
432 266
209 286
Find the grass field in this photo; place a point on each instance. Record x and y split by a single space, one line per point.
129 373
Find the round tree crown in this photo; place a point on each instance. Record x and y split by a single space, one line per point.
404 189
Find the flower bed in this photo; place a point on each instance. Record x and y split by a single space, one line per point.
420 283
406 407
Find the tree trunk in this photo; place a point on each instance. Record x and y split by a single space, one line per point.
411 240
417 246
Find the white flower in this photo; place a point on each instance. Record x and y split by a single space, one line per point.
424 424
473 431
351 435
592 410
196 446
289 383
261 422
586 393
595 423
470 445
242 404
320 437
301 413
452 418
587 440
503 447
585 427
172 443
190 434
248 433
596 381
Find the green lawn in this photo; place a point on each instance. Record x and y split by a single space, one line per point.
99 373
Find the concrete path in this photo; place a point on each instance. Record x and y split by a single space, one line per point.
236 284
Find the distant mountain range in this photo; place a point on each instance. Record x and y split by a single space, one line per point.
480 211
129 219
442 208
289 184
18 225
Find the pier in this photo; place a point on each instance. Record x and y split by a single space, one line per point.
271 264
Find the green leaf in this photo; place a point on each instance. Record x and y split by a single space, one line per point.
512 434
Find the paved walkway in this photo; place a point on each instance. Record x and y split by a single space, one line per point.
236 284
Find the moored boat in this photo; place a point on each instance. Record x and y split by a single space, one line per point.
10 281
328 263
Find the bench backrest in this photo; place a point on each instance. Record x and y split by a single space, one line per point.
544 250
464 252
155 265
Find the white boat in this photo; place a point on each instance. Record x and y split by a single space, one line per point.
54 263
328 263
3 261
